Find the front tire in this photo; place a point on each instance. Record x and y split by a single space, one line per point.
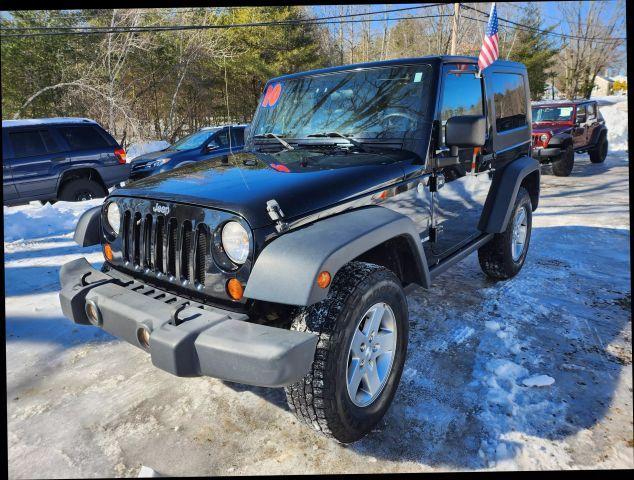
562 167
364 315
504 255
600 151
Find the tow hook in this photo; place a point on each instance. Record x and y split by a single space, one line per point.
276 214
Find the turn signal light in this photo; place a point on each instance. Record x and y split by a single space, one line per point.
107 251
323 279
235 289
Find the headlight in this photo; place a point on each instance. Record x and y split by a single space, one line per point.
235 241
113 217
158 163
544 137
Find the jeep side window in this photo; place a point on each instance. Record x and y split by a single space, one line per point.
27 144
581 114
509 97
591 111
462 95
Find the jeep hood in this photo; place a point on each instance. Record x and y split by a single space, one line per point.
301 181
555 127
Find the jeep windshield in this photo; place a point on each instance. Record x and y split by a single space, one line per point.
195 140
552 114
386 103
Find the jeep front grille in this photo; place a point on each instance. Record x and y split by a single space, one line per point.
166 246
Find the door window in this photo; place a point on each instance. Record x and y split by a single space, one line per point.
222 139
27 144
509 98
83 138
237 138
592 114
581 114
462 95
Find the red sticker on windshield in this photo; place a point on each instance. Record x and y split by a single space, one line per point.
280 168
272 95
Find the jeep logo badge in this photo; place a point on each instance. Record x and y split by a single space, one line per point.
164 209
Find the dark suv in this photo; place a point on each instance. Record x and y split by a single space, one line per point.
562 128
205 144
53 159
287 266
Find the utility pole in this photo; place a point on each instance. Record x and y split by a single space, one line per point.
454 28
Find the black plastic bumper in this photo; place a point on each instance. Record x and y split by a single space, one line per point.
543 154
201 342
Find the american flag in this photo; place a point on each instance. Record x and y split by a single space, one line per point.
489 52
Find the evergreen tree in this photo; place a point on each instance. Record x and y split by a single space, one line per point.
535 50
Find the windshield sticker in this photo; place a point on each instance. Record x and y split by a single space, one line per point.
280 168
418 76
272 95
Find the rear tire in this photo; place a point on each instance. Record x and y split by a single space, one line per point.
562 167
322 399
498 258
600 151
81 189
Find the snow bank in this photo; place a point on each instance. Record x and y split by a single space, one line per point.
614 111
36 220
141 148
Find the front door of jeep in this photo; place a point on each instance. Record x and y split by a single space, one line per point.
461 189
580 130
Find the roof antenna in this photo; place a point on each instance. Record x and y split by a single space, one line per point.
224 61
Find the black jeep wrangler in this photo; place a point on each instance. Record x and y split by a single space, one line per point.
287 266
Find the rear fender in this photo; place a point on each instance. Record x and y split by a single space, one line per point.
506 183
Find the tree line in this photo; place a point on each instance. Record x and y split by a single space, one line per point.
163 85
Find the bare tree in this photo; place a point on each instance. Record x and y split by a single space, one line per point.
595 46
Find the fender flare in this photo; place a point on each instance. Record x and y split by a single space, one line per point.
87 231
561 140
287 268
499 203
596 135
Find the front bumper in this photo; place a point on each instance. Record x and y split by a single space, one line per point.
547 153
187 338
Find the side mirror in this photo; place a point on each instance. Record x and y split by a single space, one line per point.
211 147
465 131
581 118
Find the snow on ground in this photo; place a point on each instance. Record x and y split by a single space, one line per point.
141 148
530 373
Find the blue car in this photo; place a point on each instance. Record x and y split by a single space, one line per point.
205 144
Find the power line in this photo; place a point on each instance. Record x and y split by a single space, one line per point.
204 27
178 27
545 32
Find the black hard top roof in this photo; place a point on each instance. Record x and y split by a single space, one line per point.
402 61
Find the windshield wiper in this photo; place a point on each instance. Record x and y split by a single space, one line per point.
354 142
286 145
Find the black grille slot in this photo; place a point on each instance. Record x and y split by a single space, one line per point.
172 241
186 252
147 241
201 254
160 236
136 238
126 235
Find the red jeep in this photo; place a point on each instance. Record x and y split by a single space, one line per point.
561 128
